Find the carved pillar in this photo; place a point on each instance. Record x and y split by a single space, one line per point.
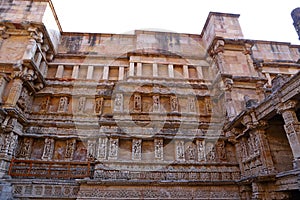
185 71
106 73
171 71
75 71
60 71
131 69
155 70
121 73
292 128
48 149
139 69
90 72
136 149
15 92
199 72
158 149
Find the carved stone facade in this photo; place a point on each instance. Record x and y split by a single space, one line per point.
151 115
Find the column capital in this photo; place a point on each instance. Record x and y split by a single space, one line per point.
289 105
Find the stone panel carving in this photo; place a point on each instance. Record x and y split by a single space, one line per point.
174 103
81 104
118 103
201 150
210 152
221 151
137 107
180 154
191 105
136 149
25 148
70 148
102 148
156 104
44 104
63 104
158 149
91 149
8 143
113 148
48 149
190 152
98 105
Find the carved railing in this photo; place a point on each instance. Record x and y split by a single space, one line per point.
49 169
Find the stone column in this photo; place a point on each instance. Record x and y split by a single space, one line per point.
155 70
75 71
199 72
139 69
60 71
171 71
90 72
131 69
185 71
292 128
121 73
105 72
